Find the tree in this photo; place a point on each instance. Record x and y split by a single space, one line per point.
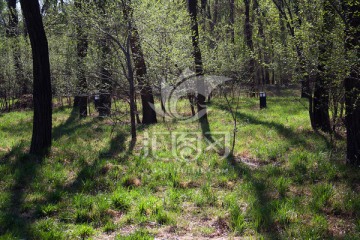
215 15
104 106
232 20
352 81
80 101
147 98
200 85
248 33
42 122
320 118
264 54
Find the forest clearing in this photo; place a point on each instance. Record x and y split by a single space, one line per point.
181 119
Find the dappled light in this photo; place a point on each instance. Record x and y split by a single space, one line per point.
211 119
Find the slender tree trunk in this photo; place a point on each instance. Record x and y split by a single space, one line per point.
305 82
42 124
132 108
284 45
262 44
215 15
147 97
232 20
132 95
352 83
204 4
138 121
262 51
200 85
248 32
321 117
80 100
271 71
13 33
192 101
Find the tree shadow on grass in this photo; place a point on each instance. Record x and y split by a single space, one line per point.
119 151
15 219
117 145
61 109
70 126
18 128
294 137
261 211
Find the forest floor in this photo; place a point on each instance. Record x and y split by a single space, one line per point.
283 181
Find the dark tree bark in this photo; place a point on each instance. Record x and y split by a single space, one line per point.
147 98
232 20
352 82
131 96
106 83
215 15
248 26
42 124
200 98
13 32
248 33
283 36
129 73
320 111
204 4
105 90
80 102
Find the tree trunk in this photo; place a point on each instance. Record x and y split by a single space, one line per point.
104 106
80 101
320 106
132 96
352 83
204 4
284 45
262 49
232 20
106 84
200 85
215 15
321 117
248 32
138 121
146 94
42 124
13 32
192 101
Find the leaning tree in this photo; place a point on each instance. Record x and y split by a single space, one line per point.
199 71
42 123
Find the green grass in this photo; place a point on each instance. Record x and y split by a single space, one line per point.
284 180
